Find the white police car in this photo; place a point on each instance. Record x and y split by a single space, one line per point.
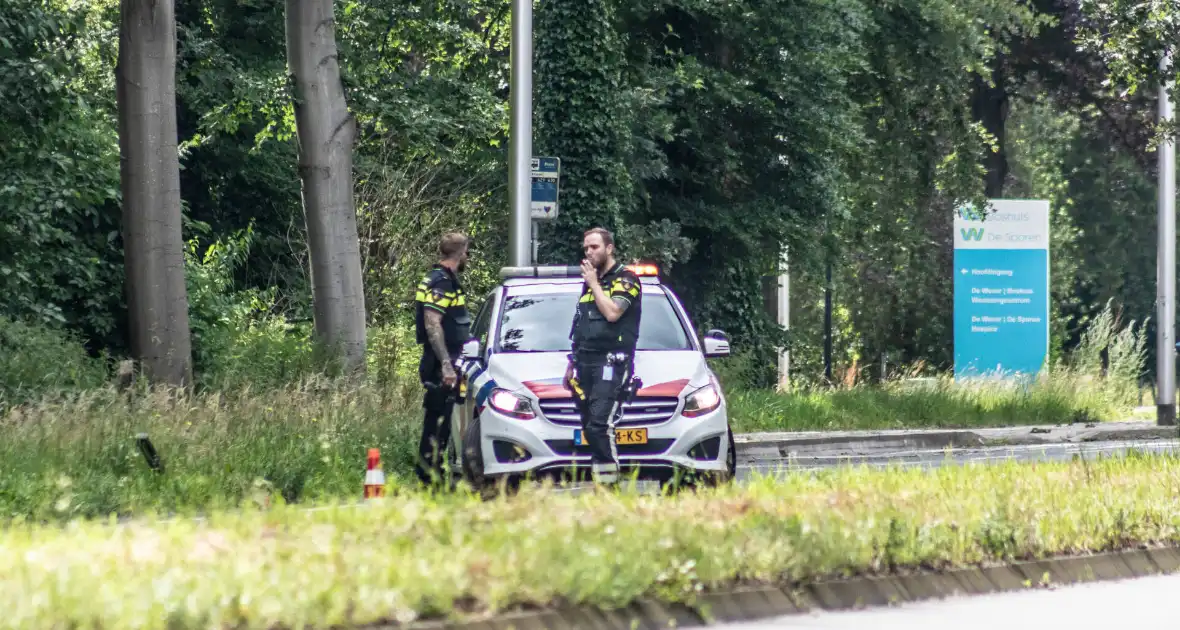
517 420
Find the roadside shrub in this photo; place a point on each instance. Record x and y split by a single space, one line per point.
38 360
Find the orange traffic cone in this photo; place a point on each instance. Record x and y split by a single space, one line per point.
374 476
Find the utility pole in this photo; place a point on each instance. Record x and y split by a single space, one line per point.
784 320
1166 253
828 323
520 134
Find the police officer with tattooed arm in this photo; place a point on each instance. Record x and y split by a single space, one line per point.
443 326
604 336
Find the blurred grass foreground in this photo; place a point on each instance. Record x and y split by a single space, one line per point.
419 557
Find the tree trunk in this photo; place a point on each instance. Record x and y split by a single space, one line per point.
990 107
325 131
153 244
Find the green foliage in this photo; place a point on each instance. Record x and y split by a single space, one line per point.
659 242
239 338
306 441
1116 350
1099 380
1132 36
583 118
711 136
1101 200
742 116
38 361
60 254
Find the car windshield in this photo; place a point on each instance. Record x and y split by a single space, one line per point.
541 322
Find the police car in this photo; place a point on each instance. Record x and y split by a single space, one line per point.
516 419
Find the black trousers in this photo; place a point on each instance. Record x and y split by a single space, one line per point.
437 403
596 386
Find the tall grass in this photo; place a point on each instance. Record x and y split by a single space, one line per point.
1098 381
67 443
421 556
76 456
937 402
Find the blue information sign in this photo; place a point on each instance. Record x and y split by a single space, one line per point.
1002 289
546 174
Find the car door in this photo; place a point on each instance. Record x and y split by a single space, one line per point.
463 414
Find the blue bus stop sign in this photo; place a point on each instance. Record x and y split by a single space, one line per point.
546 174
1001 271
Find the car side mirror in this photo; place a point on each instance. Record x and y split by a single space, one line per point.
472 349
716 344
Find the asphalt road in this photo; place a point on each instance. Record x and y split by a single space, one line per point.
931 458
1135 603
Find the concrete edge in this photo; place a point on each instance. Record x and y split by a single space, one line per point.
950 438
754 602
953 438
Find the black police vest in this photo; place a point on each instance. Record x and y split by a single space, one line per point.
592 332
441 291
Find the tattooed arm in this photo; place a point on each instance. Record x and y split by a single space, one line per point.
434 333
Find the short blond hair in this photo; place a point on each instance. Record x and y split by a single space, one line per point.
452 244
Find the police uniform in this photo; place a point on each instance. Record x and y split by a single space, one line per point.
603 357
442 292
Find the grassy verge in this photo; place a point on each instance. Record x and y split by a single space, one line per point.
77 457
936 403
424 557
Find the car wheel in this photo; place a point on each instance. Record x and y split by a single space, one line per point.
720 478
472 465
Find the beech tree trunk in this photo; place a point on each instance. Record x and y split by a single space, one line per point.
325 131
153 244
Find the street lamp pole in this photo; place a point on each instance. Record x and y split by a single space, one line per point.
1166 261
520 134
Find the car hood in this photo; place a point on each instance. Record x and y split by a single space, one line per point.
664 373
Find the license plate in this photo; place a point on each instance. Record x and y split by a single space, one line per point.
622 436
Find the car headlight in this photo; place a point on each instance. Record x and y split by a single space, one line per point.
702 401
510 404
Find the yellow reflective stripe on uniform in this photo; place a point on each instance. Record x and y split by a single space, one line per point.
617 290
427 298
587 297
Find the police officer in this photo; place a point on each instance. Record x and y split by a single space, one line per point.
604 335
443 326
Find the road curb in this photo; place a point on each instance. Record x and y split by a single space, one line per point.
754 602
754 445
779 447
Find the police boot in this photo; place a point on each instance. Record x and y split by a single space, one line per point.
605 473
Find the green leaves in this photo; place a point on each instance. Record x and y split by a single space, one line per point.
59 193
582 117
1131 36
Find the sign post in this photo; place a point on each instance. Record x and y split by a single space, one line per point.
1001 271
546 173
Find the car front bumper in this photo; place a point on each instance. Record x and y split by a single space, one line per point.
516 447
